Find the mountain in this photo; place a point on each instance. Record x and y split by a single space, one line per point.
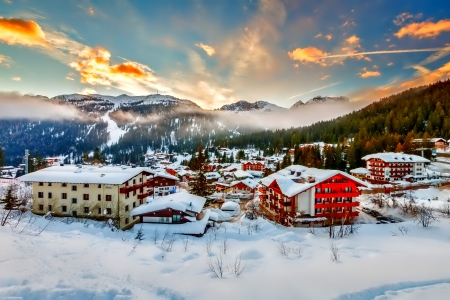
243 105
321 100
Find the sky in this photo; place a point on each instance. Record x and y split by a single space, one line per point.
219 52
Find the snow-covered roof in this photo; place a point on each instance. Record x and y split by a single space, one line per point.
163 173
242 174
84 174
177 201
248 182
230 205
360 171
210 175
396 157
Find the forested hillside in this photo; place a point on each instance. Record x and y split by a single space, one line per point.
384 125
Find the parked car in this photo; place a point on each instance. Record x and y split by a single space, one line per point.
375 213
383 219
393 219
231 208
366 210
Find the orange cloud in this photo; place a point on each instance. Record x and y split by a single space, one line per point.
91 11
425 78
16 78
95 69
88 91
308 55
366 73
208 49
5 60
324 77
390 63
328 36
353 40
424 29
318 35
19 31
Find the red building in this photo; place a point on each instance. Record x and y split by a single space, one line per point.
310 194
388 167
253 165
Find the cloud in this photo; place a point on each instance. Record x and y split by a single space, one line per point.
353 40
16 106
375 67
390 63
424 77
348 23
401 18
95 69
424 29
328 36
8 1
88 91
208 49
69 78
366 73
324 77
16 78
318 35
91 11
383 52
18 31
308 55
5 61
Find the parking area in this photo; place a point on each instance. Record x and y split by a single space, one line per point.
372 216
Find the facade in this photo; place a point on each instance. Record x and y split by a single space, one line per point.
388 167
94 192
253 165
298 194
246 186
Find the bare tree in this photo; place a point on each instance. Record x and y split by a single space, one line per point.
403 230
224 246
216 267
334 252
253 210
283 248
237 267
187 242
168 242
425 216
155 235
208 244
445 209
298 250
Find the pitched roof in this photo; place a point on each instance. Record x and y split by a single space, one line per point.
177 201
396 157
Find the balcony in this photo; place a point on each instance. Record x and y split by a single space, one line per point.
338 214
336 204
337 194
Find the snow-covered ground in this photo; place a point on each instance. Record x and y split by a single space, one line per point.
114 131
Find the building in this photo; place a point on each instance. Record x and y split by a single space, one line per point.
245 186
360 173
439 143
94 191
253 165
389 166
298 194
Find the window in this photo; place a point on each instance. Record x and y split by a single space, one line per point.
64 184
318 200
49 184
85 196
134 181
134 204
134 193
126 208
108 211
74 200
99 197
86 185
108 197
40 194
176 218
126 221
50 208
86 210
73 213
127 195
318 210
99 186
50 195
74 187
126 183
99 211
41 184
141 201
140 179
339 200
41 207
64 208
339 209
63 195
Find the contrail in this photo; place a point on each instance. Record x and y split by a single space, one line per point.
386 52
314 90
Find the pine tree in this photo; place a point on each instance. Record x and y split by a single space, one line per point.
2 157
199 186
140 235
10 202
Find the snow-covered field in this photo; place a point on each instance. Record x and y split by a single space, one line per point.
89 261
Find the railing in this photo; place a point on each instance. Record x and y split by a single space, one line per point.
337 194
336 204
338 214
143 196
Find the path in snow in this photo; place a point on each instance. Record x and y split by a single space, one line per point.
114 131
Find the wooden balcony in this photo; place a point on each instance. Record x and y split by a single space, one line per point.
337 194
336 215
143 196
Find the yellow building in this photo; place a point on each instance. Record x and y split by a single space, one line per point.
103 193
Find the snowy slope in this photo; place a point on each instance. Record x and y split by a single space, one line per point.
243 105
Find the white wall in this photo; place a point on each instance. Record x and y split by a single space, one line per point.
305 202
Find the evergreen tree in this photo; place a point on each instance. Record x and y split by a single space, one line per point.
199 185
11 202
2 157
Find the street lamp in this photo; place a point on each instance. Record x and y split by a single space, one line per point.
348 167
